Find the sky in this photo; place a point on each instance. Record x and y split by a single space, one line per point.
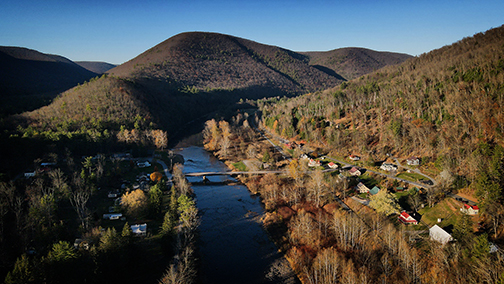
116 31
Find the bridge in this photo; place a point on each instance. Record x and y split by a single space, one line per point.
200 174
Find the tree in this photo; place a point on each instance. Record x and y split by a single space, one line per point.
126 233
110 240
384 202
22 273
155 198
62 252
160 139
79 199
317 188
135 203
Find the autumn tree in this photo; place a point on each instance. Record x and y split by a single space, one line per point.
211 133
384 202
135 203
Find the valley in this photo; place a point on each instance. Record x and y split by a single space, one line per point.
351 165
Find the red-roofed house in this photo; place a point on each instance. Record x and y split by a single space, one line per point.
354 157
355 171
314 163
469 209
405 218
332 165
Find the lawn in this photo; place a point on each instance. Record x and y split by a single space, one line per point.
411 176
240 166
447 210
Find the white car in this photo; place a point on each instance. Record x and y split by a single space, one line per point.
143 164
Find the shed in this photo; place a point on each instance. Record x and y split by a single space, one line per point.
436 233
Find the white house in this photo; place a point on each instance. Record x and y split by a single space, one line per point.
139 229
361 188
388 167
413 161
436 233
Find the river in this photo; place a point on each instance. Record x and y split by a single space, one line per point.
233 246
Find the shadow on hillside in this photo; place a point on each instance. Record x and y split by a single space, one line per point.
329 72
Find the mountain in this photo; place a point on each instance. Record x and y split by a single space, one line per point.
95 66
188 77
352 62
445 106
26 72
211 61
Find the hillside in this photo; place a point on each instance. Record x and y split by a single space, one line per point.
95 66
187 78
210 61
352 62
26 72
445 106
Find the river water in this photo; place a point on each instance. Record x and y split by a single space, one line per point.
233 246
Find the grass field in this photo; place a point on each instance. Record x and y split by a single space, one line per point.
411 176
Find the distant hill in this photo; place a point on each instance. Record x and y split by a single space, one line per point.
95 66
26 72
211 61
352 62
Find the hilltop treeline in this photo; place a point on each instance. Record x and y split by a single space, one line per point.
444 106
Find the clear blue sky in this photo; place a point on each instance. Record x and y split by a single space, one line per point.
116 31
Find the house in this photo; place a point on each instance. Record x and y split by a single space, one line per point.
388 167
314 163
406 219
332 165
374 190
469 209
354 171
361 188
413 161
139 229
354 157
436 233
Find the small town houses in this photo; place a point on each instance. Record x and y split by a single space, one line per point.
354 171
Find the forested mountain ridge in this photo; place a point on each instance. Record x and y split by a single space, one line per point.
30 79
211 61
25 71
96 66
445 106
352 62
182 79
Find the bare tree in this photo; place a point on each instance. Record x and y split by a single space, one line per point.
79 199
